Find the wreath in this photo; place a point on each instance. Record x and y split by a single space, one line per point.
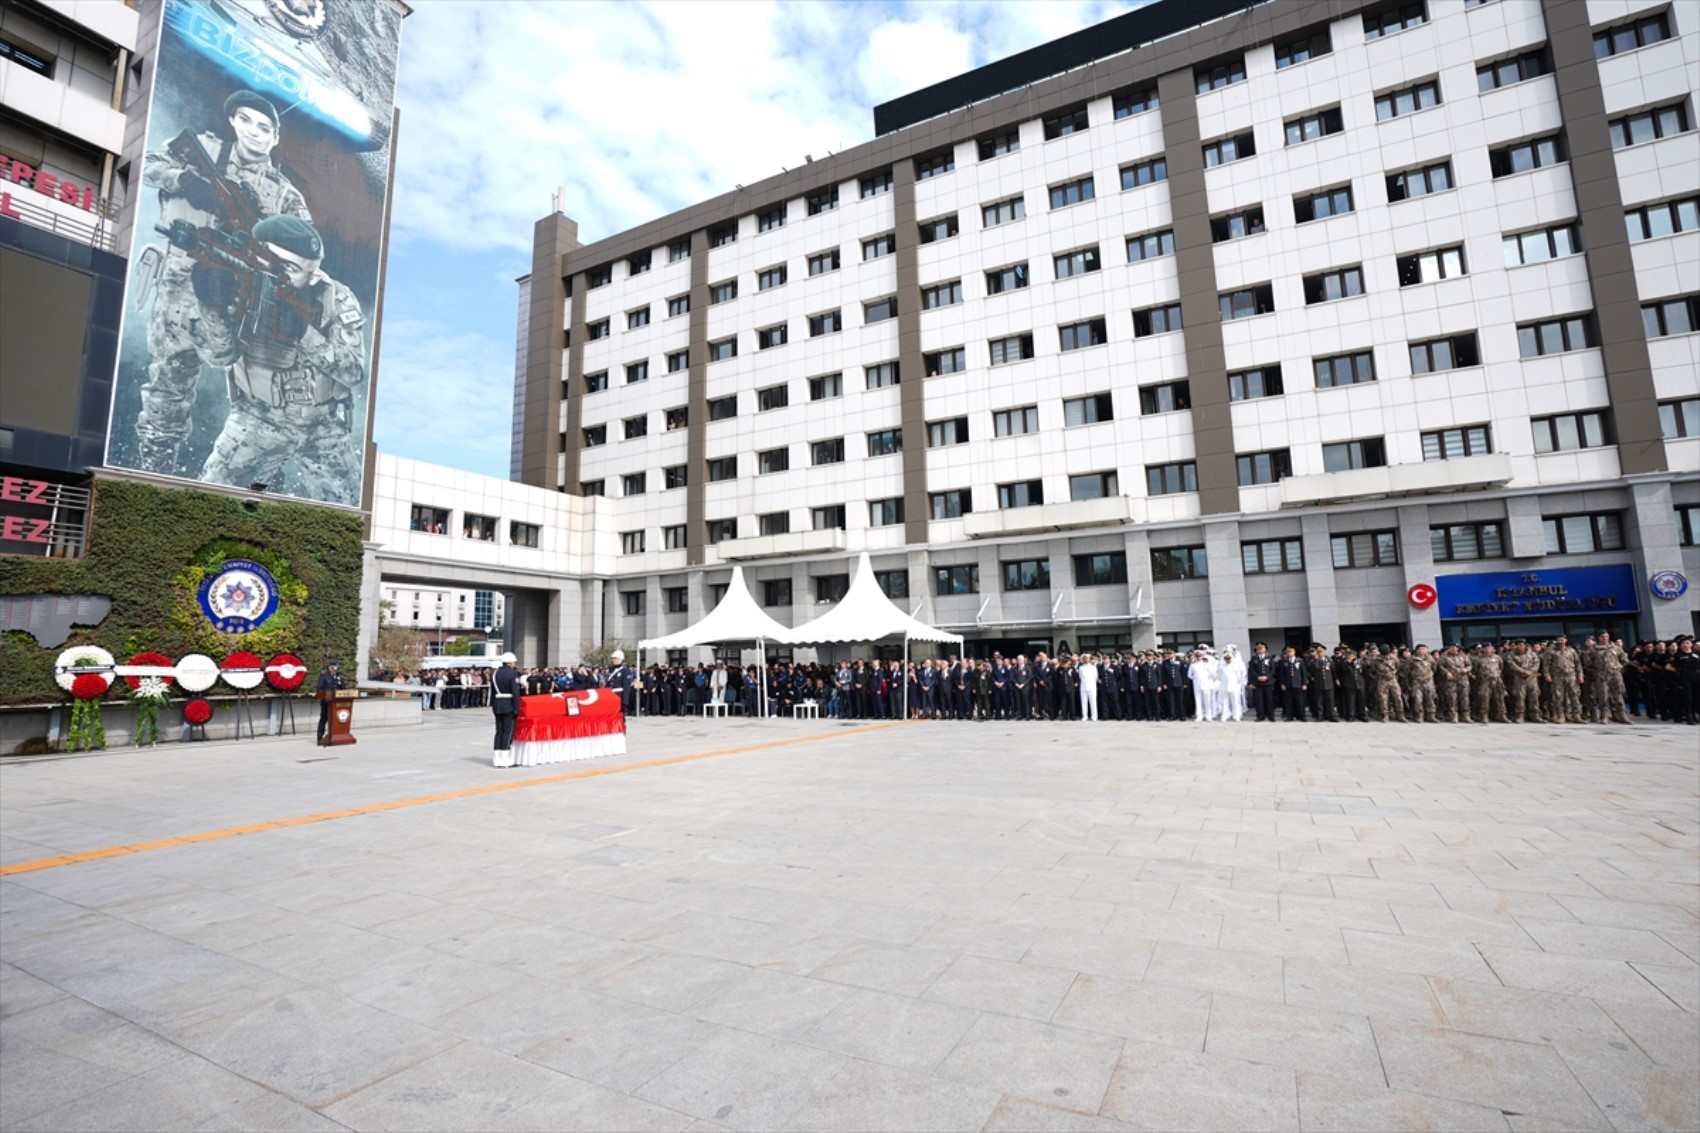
148 694
197 672
150 661
285 672
243 670
86 672
198 711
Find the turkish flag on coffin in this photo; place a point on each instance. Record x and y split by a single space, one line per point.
550 718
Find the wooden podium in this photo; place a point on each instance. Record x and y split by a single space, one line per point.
341 703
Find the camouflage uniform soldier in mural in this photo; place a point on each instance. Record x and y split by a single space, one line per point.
1560 669
1422 685
203 180
1489 671
1453 669
1523 679
1387 692
293 379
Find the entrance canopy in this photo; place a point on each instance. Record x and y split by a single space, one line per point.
737 618
866 614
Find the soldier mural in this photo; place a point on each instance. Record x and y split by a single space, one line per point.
247 344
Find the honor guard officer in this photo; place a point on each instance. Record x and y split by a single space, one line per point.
504 702
330 681
1290 679
620 680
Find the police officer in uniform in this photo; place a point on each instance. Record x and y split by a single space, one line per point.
1290 678
329 681
1260 675
505 689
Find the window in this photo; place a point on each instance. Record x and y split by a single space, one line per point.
1541 244
1407 100
634 483
637 372
674 476
1015 422
1665 219
1671 316
1127 103
1107 568
1027 574
1003 212
599 277
722 468
1529 65
1066 122
1093 486
827 452
637 318
1679 418
1247 303
1583 534
953 504
827 322
769 278
895 583
723 292
1071 193
1264 467
1302 49
723 235
773 460
596 330
1171 564
823 262
632 599
1027 493
678 417
1218 75
1079 336
941 228
1688 518
941 295
1456 444
678 360
885 442
1410 184
879 246
1466 542
1347 456
26 58
1079 262
775 523
678 305
1455 353
1365 549
1248 222
1426 267
831 587
723 408
595 435
637 426
953 431
773 397
1557 336
776 592
1391 21
673 539
876 183
480 527
827 518
524 534
1569 431
1341 283
935 165
597 382
1145 173
948 580
717 590
880 310
1012 278
1272 556
1150 246
1317 124
679 250
722 530
1521 157
1322 204
1224 150
824 201
996 145
1629 36
885 513
1248 385
1170 397
591 488
1157 320
823 387
631 543
1344 370
881 375
769 337
1015 348
722 350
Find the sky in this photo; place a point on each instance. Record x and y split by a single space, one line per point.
637 109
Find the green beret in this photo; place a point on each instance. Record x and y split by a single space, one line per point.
252 101
292 234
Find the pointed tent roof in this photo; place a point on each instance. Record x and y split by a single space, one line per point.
866 614
737 618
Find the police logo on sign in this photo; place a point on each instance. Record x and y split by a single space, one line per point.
1668 584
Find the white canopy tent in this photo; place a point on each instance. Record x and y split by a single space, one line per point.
736 618
866 614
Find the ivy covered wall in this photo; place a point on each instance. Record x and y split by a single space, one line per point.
148 550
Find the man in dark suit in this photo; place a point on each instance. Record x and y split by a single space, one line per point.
1021 680
505 691
1290 678
330 681
1260 675
1174 686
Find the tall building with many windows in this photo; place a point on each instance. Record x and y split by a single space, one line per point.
1312 320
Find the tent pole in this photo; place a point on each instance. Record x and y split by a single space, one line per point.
905 676
761 677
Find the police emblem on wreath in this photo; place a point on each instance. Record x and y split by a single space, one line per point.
240 597
1668 584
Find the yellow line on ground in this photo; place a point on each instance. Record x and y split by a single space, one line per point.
420 800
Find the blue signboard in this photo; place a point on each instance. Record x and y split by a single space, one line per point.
1538 593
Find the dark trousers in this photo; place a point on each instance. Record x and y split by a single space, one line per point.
1263 699
1351 704
1324 702
504 730
1174 703
324 719
1292 703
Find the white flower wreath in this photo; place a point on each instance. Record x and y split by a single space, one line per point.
82 657
197 672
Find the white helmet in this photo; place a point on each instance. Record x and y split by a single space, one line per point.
617 657
509 659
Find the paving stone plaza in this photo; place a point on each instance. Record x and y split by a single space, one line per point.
818 926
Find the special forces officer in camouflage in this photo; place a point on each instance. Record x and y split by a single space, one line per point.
292 385
177 339
1453 669
1489 671
1560 670
1523 680
1422 685
1387 695
1604 662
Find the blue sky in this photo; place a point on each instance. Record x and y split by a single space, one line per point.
637 109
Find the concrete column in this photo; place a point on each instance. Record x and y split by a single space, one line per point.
1525 538
1319 577
1416 554
1653 517
372 592
1141 588
1229 621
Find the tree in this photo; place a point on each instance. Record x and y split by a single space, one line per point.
458 647
397 650
601 654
